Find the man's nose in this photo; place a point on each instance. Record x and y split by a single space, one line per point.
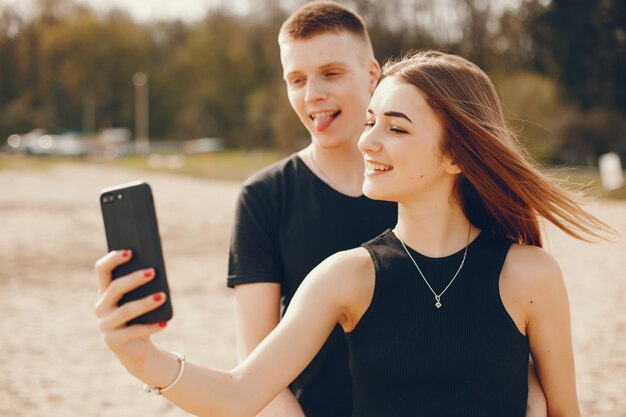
315 90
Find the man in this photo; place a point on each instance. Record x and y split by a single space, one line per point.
297 212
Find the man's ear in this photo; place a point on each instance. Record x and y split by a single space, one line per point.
374 72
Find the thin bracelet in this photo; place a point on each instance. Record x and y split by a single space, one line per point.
158 390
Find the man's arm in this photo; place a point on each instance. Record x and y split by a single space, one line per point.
536 406
257 313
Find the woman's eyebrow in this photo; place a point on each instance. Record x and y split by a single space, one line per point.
397 114
393 114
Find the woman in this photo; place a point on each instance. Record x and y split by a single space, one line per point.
440 313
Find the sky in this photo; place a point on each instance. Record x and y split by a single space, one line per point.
145 10
189 10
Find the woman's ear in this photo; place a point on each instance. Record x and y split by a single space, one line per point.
451 167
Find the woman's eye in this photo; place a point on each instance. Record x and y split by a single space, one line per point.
369 123
397 130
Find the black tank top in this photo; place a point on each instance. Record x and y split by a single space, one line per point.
465 359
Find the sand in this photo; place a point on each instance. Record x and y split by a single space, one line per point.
53 361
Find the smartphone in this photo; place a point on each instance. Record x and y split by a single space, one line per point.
130 222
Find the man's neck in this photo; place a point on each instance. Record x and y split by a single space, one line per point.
340 167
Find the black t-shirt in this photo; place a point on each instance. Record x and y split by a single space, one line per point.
287 222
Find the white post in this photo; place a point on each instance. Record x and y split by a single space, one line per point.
611 174
142 141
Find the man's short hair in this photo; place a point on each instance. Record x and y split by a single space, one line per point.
321 17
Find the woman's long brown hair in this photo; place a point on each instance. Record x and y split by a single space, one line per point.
500 190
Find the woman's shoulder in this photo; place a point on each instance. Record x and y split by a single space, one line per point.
532 272
339 277
531 263
530 283
346 266
350 277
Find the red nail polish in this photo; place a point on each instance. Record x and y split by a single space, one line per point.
125 253
147 273
162 324
157 297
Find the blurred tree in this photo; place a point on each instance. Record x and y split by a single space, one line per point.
221 76
531 105
11 28
473 45
397 26
166 88
585 135
214 77
93 58
512 43
22 102
583 45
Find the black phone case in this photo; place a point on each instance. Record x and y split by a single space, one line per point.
130 222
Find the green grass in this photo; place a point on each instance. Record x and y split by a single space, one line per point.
237 165
586 180
230 165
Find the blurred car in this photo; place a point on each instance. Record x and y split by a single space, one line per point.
109 143
66 144
112 143
202 145
25 142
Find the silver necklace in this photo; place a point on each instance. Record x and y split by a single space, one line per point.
438 296
324 177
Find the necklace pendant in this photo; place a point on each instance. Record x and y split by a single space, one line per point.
437 296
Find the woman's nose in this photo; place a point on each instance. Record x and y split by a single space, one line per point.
369 142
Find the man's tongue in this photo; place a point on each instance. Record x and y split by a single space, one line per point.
322 122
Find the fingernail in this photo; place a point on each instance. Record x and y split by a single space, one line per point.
147 272
157 297
125 253
162 324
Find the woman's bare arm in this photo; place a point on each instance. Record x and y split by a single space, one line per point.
320 303
542 302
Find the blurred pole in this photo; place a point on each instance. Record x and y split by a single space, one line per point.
142 143
89 114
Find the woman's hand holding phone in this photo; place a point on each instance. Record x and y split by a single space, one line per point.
130 343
